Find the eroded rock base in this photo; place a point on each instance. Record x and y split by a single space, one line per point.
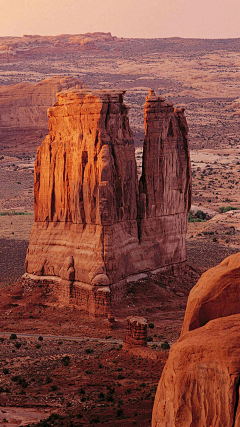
95 300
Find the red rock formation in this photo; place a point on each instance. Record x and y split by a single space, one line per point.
136 331
35 46
200 382
91 230
165 192
199 385
217 294
23 108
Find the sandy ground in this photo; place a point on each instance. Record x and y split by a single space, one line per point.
14 417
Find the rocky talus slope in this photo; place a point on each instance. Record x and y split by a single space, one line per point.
200 382
96 227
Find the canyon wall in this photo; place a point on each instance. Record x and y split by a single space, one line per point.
199 385
96 227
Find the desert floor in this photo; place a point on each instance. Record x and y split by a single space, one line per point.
84 382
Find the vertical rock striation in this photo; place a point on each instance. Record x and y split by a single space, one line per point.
165 185
95 226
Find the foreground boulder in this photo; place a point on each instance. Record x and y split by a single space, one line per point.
200 383
96 227
217 294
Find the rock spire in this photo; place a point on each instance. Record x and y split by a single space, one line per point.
96 227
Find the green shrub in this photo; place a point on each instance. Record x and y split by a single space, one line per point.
54 387
109 397
94 420
101 396
20 381
119 413
13 337
79 415
66 360
224 209
4 390
198 216
165 345
17 344
10 213
151 325
120 377
201 215
50 421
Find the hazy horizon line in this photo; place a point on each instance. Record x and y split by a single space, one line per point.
120 37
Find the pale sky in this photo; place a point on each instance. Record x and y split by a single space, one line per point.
123 18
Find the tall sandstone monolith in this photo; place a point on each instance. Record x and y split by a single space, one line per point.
96 228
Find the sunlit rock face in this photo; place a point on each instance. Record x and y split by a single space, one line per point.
199 385
95 225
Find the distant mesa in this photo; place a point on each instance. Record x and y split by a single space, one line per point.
96 227
200 382
36 46
23 108
26 104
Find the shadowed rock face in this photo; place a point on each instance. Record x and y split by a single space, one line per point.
95 226
200 382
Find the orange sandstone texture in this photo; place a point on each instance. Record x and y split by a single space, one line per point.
95 226
136 331
200 382
217 294
199 386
